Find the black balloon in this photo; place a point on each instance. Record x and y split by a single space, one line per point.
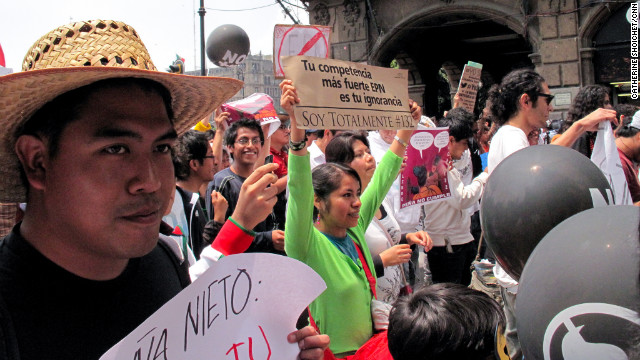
529 193
579 293
227 45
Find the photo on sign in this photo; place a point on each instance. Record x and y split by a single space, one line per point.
424 179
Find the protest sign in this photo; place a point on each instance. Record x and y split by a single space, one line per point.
338 94
293 40
243 307
256 106
469 85
424 179
605 156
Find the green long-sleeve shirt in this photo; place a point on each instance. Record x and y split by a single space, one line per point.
343 311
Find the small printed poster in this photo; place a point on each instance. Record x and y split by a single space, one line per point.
424 179
256 106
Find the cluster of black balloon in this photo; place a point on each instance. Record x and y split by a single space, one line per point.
545 217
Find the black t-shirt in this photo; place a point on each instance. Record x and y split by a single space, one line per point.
58 315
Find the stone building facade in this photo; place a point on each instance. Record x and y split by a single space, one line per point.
256 72
570 42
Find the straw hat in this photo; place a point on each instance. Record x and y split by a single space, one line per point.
82 53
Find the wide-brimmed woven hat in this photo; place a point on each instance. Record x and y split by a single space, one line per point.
82 53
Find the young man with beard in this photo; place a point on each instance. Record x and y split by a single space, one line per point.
244 139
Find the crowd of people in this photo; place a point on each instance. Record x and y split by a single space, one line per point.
119 196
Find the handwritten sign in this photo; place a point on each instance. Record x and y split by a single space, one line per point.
338 94
292 40
241 308
424 179
469 85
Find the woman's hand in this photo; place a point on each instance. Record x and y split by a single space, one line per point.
421 238
288 99
396 255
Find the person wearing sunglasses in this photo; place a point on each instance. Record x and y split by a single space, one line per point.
520 105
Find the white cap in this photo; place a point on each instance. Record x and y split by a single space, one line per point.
635 121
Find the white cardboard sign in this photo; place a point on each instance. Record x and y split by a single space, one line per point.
242 308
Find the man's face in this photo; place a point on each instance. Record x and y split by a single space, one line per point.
247 153
457 148
280 137
540 110
387 135
112 177
207 168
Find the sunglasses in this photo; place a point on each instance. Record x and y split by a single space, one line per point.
547 97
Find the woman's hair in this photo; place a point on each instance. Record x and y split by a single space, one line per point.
340 148
588 99
327 178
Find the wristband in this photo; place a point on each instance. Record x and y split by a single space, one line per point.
299 145
248 232
402 142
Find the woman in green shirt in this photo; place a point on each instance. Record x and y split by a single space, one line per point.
330 247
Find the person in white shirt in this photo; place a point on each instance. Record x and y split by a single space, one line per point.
318 146
521 104
448 221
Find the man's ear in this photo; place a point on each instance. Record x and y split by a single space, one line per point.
32 153
525 101
194 164
451 140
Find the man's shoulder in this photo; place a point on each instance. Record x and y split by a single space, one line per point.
225 175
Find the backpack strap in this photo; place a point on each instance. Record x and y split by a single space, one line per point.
181 266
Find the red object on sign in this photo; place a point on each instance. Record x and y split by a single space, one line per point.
2 63
257 106
311 40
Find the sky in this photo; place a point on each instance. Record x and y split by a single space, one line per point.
166 27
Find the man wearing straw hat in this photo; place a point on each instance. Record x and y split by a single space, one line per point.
86 134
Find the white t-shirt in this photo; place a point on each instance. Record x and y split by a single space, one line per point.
316 156
388 286
505 142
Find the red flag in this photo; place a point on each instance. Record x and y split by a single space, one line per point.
2 63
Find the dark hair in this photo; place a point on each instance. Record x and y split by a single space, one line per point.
192 145
504 98
460 123
320 133
624 130
232 132
52 118
627 110
588 99
210 134
442 322
327 178
340 148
